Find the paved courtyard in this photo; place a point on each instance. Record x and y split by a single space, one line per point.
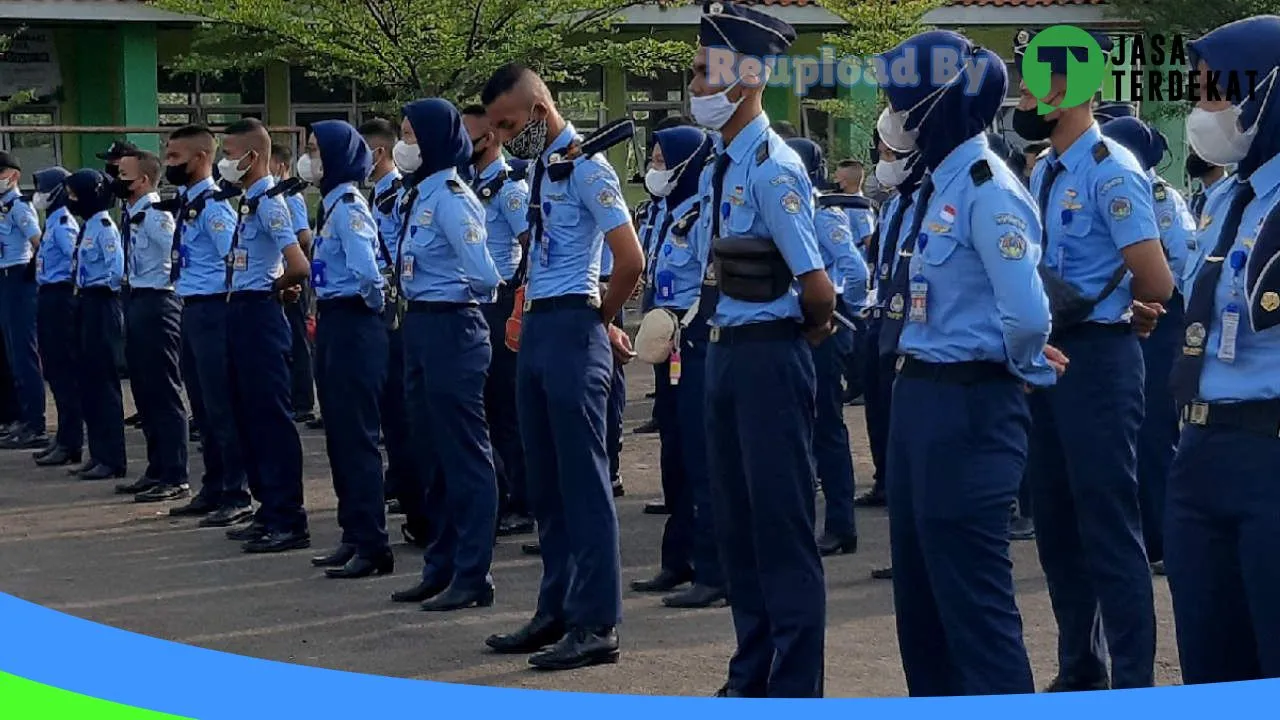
76 547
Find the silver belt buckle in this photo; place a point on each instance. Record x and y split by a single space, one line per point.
1198 413
715 334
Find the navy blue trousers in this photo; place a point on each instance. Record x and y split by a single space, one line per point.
208 378
760 415
878 397
58 325
302 370
18 326
446 361
613 416
563 374
1222 539
153 332
101 328
500 408
351 367
831 452
688 539
400 473
1085 504
1158 438
956 455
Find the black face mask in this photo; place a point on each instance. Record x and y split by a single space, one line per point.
1031 125
122 188
177 175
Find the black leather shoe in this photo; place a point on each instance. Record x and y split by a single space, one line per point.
140 485
362 567
728 692
394 507
198 507
665 581
339 557
275 542
253 531
458 599
101 472
163 493
656 507
424 590
532 548
1157 568
1066 684
884 573
227 516
86 467
618 490
579 648
416 537
534 635
25 440
303 417
316 424
871 498
835 545
695 596
648 427
514 524
57 457
133 420
45 450
193 435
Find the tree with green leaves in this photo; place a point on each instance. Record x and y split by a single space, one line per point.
1189 17
417 48
17 99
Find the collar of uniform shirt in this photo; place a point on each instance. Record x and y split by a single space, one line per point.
957 162
562 141
1079 156
143 203
385 181
263 184
194 191
744 143
434 181
492 169
13 193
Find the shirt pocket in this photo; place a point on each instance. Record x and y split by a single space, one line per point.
678 255
740 221
937 249
564 214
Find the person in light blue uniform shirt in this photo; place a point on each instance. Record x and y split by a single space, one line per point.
201 243
771 292
265 267
676 271
968 319
97 267
1220 534
565 366
506 209
301 365
153 320
445 273
848 272
849 178
19 236
56 317
1099 231
351 348
1158 438
1207 178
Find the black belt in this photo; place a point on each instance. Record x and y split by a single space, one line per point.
149 291
198 299
756 332
14 270
348 304
98 291
64 286
959 373
250 295
561 302
1095 329
1255 416
432 306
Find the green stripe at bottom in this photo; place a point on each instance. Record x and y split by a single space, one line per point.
26 700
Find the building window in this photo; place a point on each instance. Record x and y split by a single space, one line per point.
33 150
650 101
312 100
207 99
582 103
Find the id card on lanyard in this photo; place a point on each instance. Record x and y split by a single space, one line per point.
1231 313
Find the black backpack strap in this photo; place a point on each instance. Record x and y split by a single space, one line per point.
489 190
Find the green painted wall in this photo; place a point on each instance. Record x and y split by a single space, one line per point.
137 82
96 64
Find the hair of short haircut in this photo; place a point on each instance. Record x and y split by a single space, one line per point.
245 126
502 81
1035 148
851 163
473 110
380 128
191 131
785 129
281 153
148 165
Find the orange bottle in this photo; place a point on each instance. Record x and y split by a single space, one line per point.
514 322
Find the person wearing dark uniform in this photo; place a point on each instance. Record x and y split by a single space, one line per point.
56 321
266 267
564 369
445 273
1221 539
351 348
97 266
771 292
968 319
678 325
506 208
1099 231
19 238
153 324
301 355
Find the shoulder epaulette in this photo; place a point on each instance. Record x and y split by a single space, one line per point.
1160 189
1101 152
64 220
139 217
226 194
280 188
170 205
844 200
642 208
106 222
980 172
519 169
456 186
606 137
762 152
681 227
348 197
292 186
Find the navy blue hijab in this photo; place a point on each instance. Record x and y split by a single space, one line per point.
1252 44
344 154
1145 142
92 190
49 181
687 146
815 161
954 114
442 140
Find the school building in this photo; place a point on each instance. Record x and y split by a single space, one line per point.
104 63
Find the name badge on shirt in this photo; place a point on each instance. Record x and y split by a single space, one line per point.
919 300
240 259
406 268
1230 331
318 277
666 283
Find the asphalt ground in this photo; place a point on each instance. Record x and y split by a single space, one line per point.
76 547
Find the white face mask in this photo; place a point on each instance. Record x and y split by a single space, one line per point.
891 174
41 201
659 183
1216 135
6 184
230 169
310 170
892 124
407 157
713 111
